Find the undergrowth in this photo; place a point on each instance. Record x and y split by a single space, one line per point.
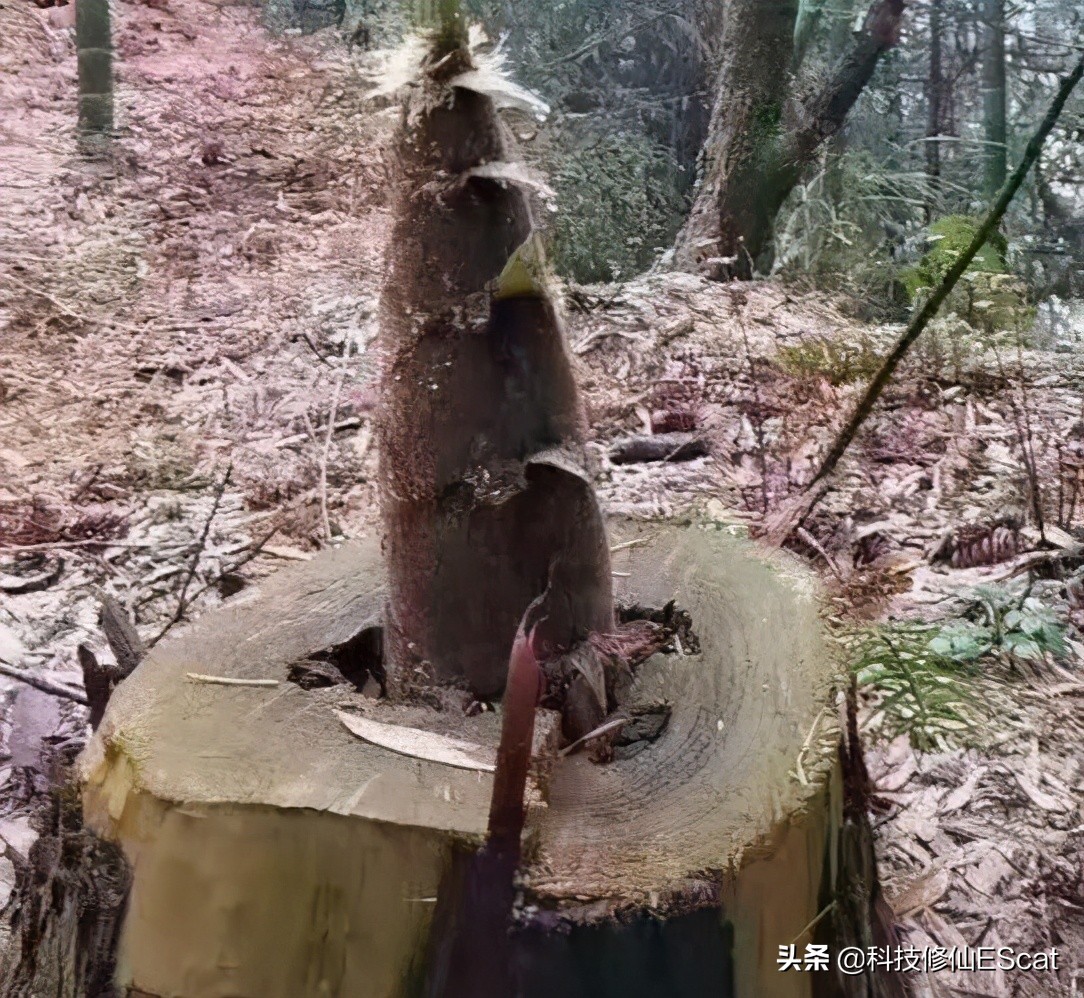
922 694
926 677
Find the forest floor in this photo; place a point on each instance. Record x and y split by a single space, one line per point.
187 363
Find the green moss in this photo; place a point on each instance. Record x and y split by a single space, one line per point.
840 362
948 238
988 297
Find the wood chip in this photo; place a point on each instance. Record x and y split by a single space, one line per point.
923 891
1040 798
961 796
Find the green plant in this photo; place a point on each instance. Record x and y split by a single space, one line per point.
922 693
948 238
1000 621
989 298
844 226
840 362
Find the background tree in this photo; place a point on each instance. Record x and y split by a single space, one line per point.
994 96
94 41
935 89
765 130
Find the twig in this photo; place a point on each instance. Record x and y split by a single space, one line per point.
183 602
596 40
254 551
590 342
738 304
71 313
812 541
329 436
61 545
45 685
602 729
793 514
196 677
635 542
310 434
1025 440
824 911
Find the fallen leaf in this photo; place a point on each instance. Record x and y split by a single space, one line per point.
419 744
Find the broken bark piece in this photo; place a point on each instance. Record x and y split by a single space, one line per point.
645 726
592 679
312 674
659 447
98 681
674 620
124 640
42 573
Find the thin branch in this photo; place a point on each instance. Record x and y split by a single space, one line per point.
72 313
183 602
197 677
825 113
253 552
329 435
45 685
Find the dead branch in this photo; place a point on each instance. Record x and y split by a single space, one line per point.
124 640
45 685
197 677
183 602
329 435
658 447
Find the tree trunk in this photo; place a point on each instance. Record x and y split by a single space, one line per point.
760 139
994 96
935 92
738 195
94 42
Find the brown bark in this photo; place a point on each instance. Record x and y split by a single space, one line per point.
760 139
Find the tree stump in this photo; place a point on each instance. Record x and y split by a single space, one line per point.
274 852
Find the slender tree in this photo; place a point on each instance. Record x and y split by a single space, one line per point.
935 91
994 96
